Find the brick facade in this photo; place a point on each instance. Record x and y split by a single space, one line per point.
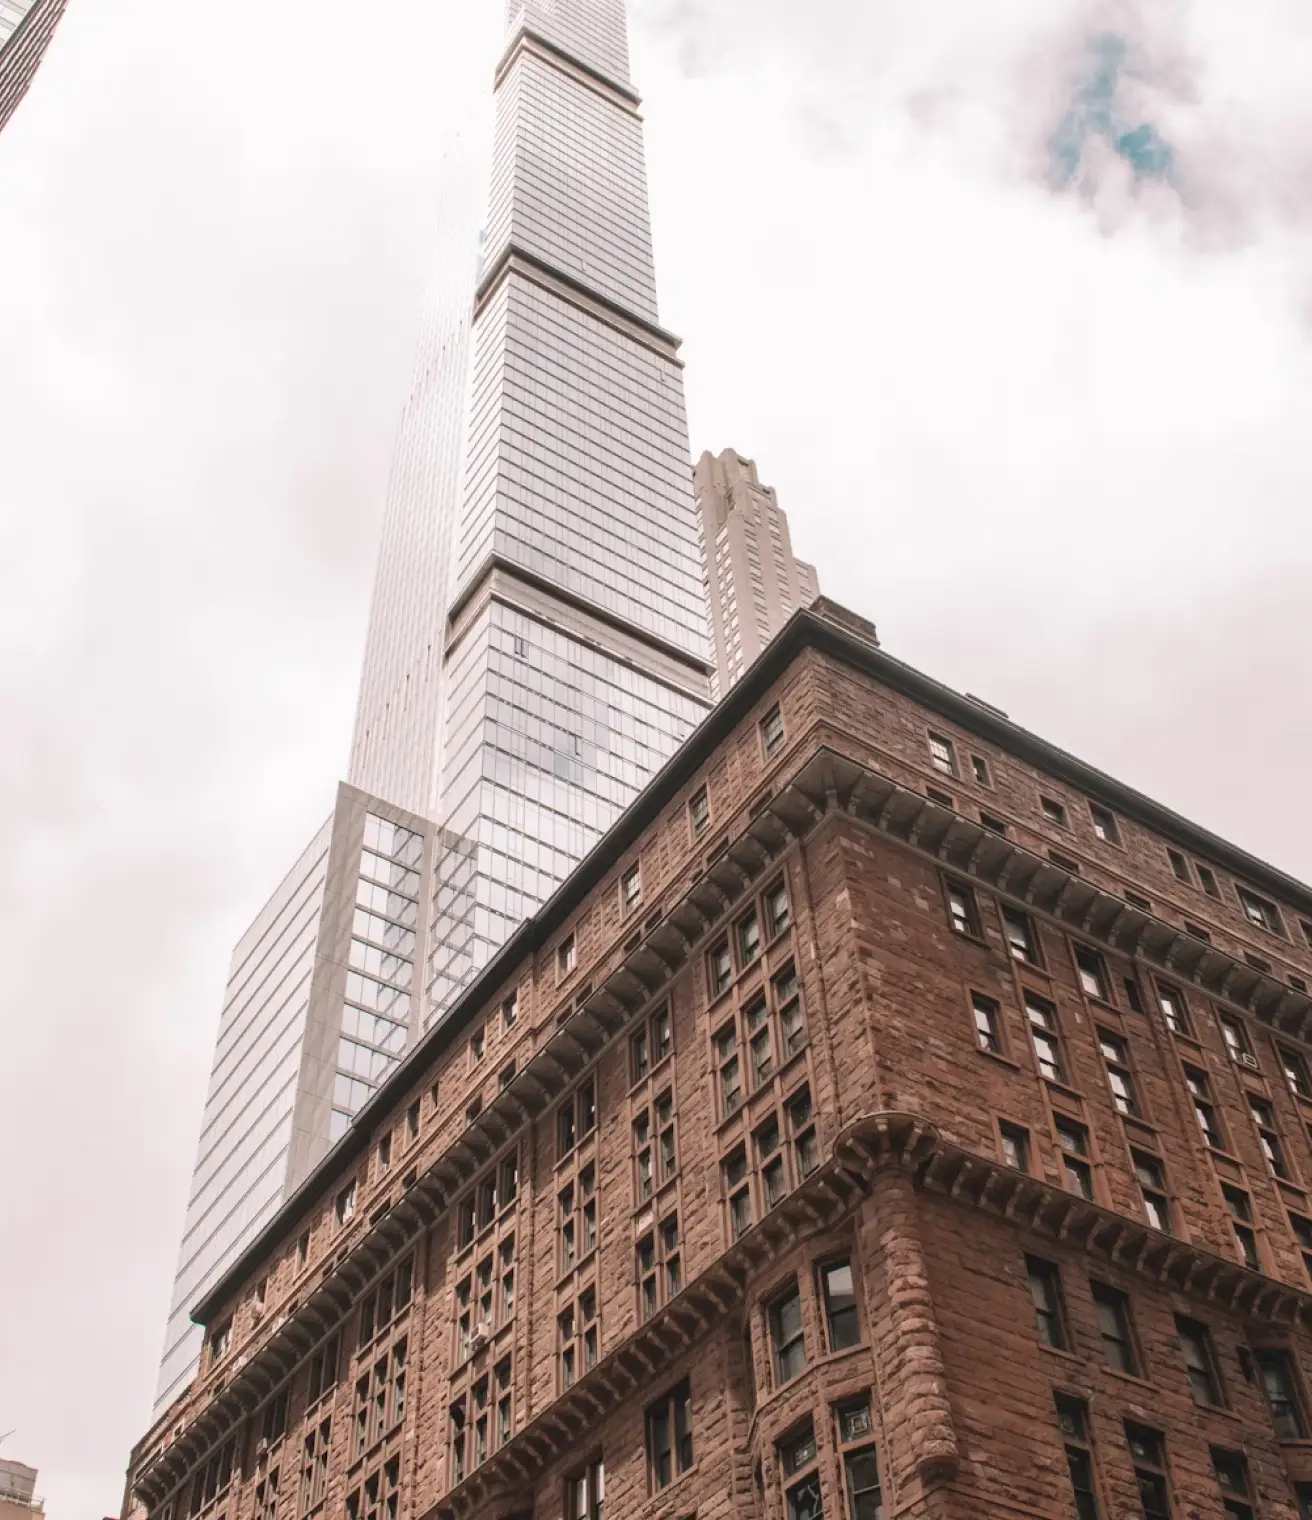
743 1195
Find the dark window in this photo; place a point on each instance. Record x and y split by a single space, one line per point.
962 910
1132 995
1073 1420
1045 1290
797 1457
1208 880
699 811
1113 1310
980 767
1053 811
1152 1184
1258 962
1104 824
1302 1229
1307 930
1148 1453
772 730
1116 1053
1260 911
1199 1360
1303 1493
786 1336
1276 1368
988 1031
942 798
1074 1142
1174 1009
861 1475
1179 865
994 825
585 1495
841 1317
1137 900
1093 974
1020 936
1015 1146
1232 1479
566 956
801 1125
739 1192
669 1436
1046 1037
776 908
509 1013
1197 931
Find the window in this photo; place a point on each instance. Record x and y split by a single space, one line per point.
509 1012
303 1248
1049 1310
942 798
988 1025
737 1186
1232 1479
788 1010
1208 881
389 1297
1152 1184
1116 1054
1137 900
1148 1453
585 1495
786 1336
576 1218
1258 963
651 1045
1104 824
842 1321
385 1152
1132 995
1198 932
992 824
1260 911
1092 973
699 812
963 914
1015 1146
1302 1228
726 1056
1199 1361
801 1127
345 1206
1264 1117
770 1160
1064 863
749 938
1046 1037
1241 1219
669 1437
566 956
980 770
1307 930
772 730
860 1461
1073 1421
1279 1383
942 755
720 967
477 1047
1174 1009
797 1459
1053 811
1236 1039
314 1464
631 889
380 1397
576 1338
1020 936
1201 1093
1295 1069
1074 1142
576 1118
1179 865
1113 1311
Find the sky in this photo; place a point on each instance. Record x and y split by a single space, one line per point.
1012 302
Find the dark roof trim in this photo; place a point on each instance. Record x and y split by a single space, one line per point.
811 628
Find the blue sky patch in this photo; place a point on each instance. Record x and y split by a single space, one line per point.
1097 111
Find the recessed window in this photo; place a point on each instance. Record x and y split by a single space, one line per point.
699 812
477 1047
1132 995
1302 1228
737 1186
941 798
1280 1384
942 754
1197 931
776 909
1179 865
860 1463
1104 824
1073 1421
1046 1037
1236 1039
1015 1145
1148 1453
1199 1361
1232 1479
1113 1311
841 1318
1053 811
1116 1055
510 1011
786 1336
1200 1091
1307 931
1092 972
993 824
1208 880
1297 983
1295 1069
385 1152
576 1118
720 964
1258 962
797 1458
749 938
1264 1117
585 1495
220 1340
988 1023
1174 1009
731 1081
566 956
963 912
345 1207
1021 940
772 730
1260 910
1049 1309
980 770
631 889
1240 1207
1064 863
669 1436
1151 1175
1074 1142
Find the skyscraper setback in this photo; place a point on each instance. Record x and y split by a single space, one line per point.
538 642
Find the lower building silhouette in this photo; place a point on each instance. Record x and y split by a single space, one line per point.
892 1116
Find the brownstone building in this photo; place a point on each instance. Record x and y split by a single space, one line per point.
893 1116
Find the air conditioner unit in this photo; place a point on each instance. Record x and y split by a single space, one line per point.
482 1330
1248 1060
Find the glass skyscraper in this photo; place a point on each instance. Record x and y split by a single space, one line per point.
538 641
26 27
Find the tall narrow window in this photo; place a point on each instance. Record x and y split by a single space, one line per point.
699 812
777 915
1302 1228
797 1459
731 1082
1152 1184
1020 936
1236 1040
1200 1091
631 889
1179 865
1241 1219
1045 1290
720 967
1093 974
749 938
1264 1117
962 910
737 1186
1113 1310
988 1023
786 1336
669 1437
1279 1383
865 1500
1174 1009
1232 1479
1074 1142
841 1317
585 1495
1148 1453
1116 1054
1015 1145
1199 1361
1208 879
1295 1069
1073 1421
772 730
1046 1037
801 1126
942 754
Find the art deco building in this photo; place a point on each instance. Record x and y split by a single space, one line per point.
891 1116
537 643
26 27
753 580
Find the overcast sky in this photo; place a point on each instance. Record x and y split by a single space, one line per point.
1011 301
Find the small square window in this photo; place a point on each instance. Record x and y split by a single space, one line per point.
941 798
772 730
1104 824
1260 911
994 825
1053 811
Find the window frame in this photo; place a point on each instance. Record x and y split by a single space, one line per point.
967 923
673 1411
773 731
782 1346
831 1315
1202 1368
1112 1303
1051 1320
946 763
